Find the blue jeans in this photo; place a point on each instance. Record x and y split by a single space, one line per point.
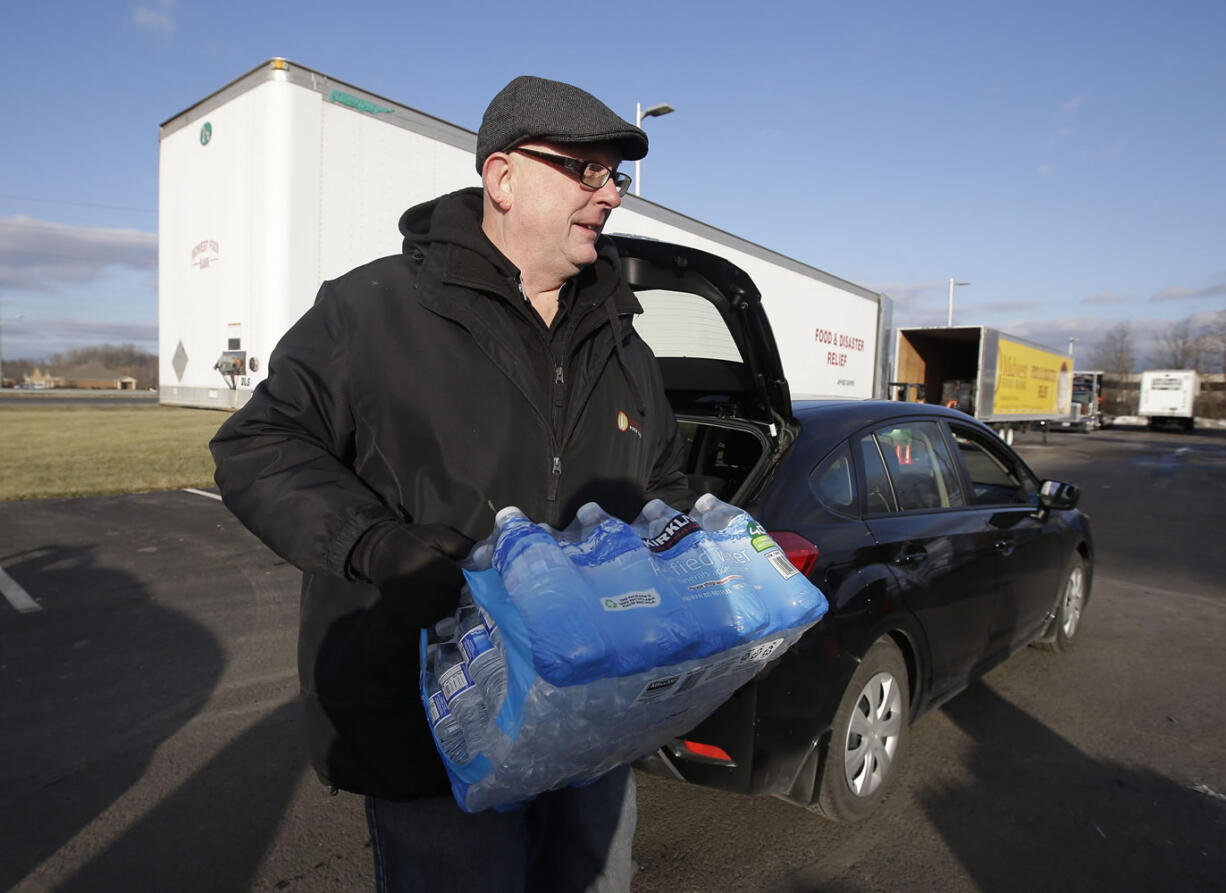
573 839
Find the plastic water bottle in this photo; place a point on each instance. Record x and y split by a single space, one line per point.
486 664
479 558
714 514
444 630
568 644
446 729
463 698
657 513
491 628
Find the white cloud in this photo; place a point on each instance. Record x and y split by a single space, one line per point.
36 339
1069 107
39 255
1104 152
156 17
1179 294
1011 306
904 292
1045 169
1061 135
1106 299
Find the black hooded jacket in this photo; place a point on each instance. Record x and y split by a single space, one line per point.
421 389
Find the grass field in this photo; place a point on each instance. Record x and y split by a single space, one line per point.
49 451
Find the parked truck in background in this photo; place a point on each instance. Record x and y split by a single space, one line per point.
1087 406
1168 398
287 177
1004 381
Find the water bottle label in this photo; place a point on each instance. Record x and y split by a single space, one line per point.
674 532
780 563
644 598
763 651
671 686
658 689
437 707
475 644
455 681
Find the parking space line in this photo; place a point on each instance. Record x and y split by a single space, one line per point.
17 597
216 496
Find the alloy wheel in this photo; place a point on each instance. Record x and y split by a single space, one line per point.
1074 600
873 734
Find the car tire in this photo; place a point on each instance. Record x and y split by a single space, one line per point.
870 727
1070 605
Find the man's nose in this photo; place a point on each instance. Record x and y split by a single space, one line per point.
608 194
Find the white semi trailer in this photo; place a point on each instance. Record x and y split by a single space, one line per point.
287 177
1168 397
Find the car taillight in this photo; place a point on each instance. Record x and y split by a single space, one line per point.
703 752
802 553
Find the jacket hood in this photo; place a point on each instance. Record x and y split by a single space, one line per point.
455 219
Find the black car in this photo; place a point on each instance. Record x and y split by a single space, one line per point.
940 552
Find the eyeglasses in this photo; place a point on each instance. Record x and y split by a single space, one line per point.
591 174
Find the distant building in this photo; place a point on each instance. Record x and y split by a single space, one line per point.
38 380
94 376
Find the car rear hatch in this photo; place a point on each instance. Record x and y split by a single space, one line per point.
703 318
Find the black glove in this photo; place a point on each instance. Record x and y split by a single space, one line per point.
415 567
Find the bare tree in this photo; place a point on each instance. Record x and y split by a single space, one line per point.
1215 343
1179 347
1114 352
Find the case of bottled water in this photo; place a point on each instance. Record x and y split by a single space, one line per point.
575 651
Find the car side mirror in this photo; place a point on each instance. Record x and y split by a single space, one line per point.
1058 495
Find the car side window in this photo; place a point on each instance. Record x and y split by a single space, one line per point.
996 479
833 482
920 466
878 494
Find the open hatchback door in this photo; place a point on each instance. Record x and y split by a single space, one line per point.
703 318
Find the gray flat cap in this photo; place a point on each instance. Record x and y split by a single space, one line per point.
532 108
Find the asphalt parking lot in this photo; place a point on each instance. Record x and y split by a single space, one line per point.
147 697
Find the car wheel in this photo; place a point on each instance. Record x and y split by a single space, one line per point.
861 759
1069 608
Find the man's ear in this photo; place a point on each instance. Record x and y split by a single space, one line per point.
496 177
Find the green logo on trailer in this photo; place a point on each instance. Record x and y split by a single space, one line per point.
206 133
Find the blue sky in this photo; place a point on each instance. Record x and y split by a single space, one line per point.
1067 159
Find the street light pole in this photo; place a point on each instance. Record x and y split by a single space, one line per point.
640 113
950 320
1071 342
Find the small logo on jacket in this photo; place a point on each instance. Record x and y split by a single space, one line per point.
625 423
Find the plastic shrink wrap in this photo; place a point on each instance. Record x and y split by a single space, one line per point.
590 647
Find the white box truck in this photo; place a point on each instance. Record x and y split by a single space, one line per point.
287 177
1002 380
1168 398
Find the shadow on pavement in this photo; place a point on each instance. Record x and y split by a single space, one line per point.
212 832
1044 815
90 687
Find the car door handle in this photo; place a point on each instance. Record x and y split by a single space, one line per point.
910 556
1005 546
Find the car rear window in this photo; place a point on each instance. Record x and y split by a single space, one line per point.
679 324
833 482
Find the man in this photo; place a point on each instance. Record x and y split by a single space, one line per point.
487 365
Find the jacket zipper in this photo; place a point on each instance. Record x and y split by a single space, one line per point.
555 478
555 472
